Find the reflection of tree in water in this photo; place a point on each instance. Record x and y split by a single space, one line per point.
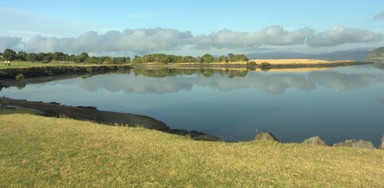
20 85
207 72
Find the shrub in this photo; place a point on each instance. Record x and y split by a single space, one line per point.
251 65
265 64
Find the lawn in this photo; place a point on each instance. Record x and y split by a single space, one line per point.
28 64
39 151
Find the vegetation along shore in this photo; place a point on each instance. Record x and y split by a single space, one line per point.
27 65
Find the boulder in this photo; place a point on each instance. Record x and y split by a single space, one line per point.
355 143
266 137
381 146
316 140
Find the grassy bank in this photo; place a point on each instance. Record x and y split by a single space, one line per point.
23 70
28 64
39 152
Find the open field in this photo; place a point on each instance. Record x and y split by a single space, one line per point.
297 61
51 152
26 64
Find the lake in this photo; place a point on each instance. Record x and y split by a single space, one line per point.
336 104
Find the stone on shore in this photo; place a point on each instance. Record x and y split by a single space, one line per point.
265 137
355 143
381 146
316 140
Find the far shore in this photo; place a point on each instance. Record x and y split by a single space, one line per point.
29 70
276 65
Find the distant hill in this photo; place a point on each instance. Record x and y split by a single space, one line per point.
358 55
377 53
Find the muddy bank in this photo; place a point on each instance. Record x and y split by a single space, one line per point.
32 72
90 113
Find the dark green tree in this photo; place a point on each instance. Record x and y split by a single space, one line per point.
9 54
82 57
208 58
31 57
21 56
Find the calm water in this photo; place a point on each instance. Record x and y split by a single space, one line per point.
336 104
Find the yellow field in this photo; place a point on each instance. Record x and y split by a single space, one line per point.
296 61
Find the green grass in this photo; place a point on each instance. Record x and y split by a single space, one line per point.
50 152
28 64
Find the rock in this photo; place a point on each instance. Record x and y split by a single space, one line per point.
355 143
195 135
381 146
206 138
314 141
265 136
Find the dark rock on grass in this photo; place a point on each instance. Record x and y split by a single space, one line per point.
355 143
195 135
263 136
316 140
178 132
206 138
381 146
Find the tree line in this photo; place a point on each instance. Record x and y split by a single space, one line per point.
12 55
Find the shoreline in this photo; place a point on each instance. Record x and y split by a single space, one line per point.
45 71
11 73
91 113
262 64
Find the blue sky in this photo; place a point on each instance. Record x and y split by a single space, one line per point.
190 27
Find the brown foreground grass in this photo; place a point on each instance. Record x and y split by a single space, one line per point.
50 152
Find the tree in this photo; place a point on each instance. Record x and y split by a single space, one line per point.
231 57
136 59
208 58
242 57
9 54
59 56
21 56
31 57
82 57
223 58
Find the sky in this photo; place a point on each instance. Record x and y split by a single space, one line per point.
137 27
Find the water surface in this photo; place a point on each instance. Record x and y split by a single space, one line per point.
335 104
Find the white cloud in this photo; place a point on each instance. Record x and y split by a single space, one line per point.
138 40
141 41
379 16
274 35
342 35
10 42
